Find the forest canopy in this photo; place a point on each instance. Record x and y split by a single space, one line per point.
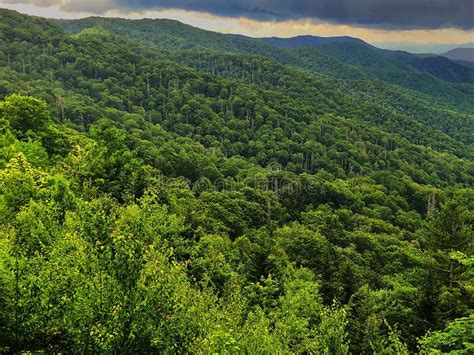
160 196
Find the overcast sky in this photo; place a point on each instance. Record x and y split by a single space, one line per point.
397 21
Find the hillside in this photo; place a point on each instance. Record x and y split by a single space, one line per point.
462 54
403 69
169 35
310 41
465 63
165 189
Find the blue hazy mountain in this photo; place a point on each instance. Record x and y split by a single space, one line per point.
462 54
311 41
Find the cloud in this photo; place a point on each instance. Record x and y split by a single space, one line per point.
84 6
389 14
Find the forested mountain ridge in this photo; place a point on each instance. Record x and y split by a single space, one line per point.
173 35
310 41
191 201
371 56
464 54
168 34
389 71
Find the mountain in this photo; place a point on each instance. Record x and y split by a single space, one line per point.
462 54
158 195
309 41
445 69
420 48
394 67
173 35
465 63
168 34
441 80
384 60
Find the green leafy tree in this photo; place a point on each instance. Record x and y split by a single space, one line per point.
26 115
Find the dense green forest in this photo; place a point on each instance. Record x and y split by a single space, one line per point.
165 189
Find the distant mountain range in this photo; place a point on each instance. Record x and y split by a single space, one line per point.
460 56
309 41
463 54
350 54
423 47
338 57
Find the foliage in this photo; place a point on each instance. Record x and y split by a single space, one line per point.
209 202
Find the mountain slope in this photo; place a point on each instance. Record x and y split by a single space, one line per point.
383 60
445 69
309 41
465 63
350 53
169 34
298 86
462 54
172 35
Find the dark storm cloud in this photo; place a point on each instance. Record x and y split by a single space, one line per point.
400 14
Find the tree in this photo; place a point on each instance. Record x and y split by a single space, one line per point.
447 232
456 338
27 116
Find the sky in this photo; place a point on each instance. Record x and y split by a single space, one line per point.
415 25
